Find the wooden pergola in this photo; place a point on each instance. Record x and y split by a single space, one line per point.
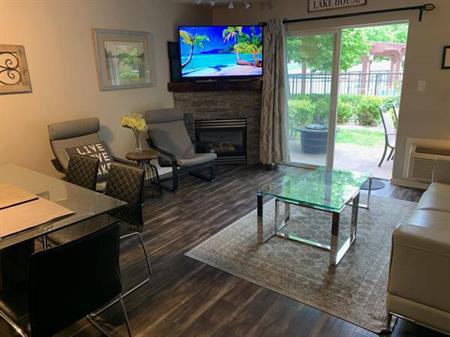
394 51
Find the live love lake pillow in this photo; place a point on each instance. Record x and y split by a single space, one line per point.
97 150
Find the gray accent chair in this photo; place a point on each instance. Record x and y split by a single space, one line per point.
74 133
168 135
71 133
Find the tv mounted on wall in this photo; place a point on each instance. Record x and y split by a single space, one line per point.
221 51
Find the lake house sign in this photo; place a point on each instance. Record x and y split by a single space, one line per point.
321 5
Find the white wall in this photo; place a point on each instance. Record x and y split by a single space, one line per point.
58 41
422 114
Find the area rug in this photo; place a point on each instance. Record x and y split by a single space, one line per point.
354 291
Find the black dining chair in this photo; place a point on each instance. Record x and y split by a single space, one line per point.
126 183
390 132
69 282
82 171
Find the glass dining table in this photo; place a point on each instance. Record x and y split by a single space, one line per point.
15 249
85 204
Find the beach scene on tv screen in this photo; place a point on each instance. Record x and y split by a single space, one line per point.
221 51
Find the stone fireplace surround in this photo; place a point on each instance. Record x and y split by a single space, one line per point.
224 104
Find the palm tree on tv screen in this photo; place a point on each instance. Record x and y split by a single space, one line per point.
192 40
249 44
233 33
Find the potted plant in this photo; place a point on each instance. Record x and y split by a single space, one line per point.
314 135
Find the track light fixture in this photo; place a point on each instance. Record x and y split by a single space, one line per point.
247 4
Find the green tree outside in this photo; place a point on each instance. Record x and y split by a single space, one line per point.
316 51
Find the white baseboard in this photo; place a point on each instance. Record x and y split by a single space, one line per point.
409 183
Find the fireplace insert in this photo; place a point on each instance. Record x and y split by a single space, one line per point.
227 137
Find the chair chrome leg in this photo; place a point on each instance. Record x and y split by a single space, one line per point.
123 308
13 324
140 284
125 316
97 326
141 241
124 295
44 242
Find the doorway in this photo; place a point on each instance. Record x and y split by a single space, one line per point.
339 83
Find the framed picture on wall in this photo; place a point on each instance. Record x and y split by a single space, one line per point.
446 57
124 59
14 75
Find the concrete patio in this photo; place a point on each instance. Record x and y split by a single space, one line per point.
347 157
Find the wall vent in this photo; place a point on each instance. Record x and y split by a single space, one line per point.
421 157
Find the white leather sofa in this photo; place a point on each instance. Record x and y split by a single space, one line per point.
419 275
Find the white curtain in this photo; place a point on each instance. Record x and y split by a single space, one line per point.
274 138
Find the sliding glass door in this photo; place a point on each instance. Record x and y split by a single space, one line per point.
313 75
340 82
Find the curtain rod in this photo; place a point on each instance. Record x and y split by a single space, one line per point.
421 8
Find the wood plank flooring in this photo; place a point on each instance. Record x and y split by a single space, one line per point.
190 299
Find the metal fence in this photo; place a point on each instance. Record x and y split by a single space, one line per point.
377 83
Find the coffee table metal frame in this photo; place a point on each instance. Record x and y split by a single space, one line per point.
336 253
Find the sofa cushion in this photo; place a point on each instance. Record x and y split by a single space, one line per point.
420 261
439 188
436 197
426 230
196 159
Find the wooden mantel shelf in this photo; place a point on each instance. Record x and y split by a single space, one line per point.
230 85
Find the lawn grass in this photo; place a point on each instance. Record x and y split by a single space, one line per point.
363 137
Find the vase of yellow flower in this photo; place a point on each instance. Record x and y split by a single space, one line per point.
135 122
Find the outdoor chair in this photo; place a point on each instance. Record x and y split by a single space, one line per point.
390 132
396 107
168 135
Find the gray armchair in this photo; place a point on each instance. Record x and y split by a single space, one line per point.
73 133
168 135
69 134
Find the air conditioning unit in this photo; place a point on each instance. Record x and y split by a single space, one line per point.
421 160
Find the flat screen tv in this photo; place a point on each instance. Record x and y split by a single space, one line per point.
221 51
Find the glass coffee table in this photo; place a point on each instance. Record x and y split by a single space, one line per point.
322 189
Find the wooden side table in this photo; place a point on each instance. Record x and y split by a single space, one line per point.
151 176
